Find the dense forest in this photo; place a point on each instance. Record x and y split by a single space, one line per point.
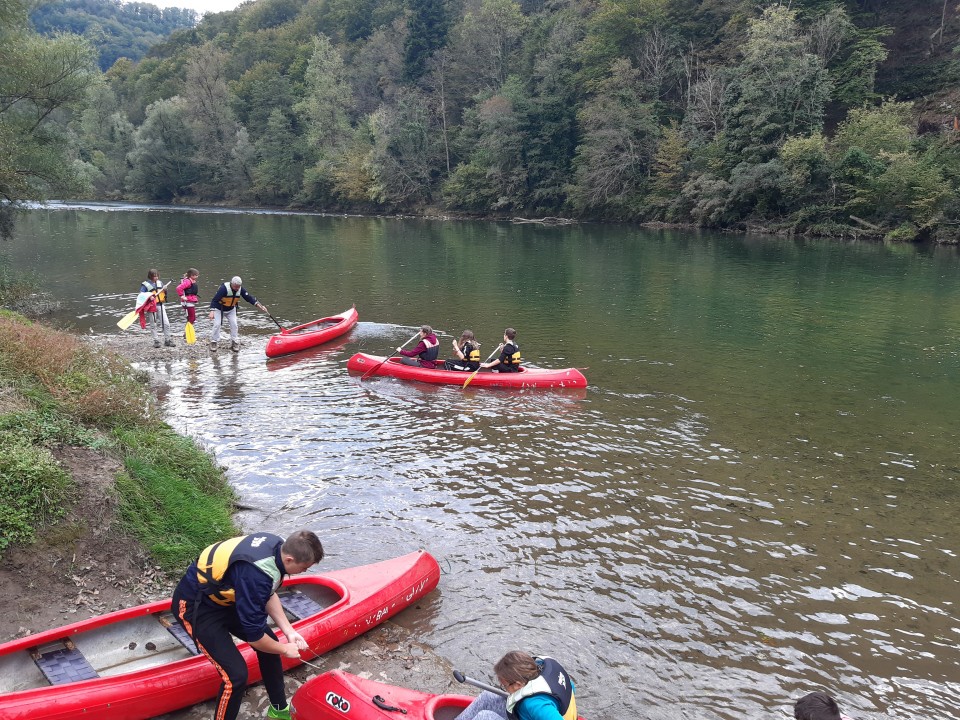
116 29
827 117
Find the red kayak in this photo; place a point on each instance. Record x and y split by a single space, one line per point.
337 695
311 334
527 377
139 663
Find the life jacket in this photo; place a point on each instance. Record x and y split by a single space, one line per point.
432 351
149 297
188 293
260 550
231 298
511 351
553 681
471 352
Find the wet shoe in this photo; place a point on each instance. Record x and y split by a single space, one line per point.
284 714
213 346
235 346
156 343
169 343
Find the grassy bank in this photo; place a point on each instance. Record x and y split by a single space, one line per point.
56 391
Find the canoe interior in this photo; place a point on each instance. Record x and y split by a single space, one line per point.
129 645
448 712
313 327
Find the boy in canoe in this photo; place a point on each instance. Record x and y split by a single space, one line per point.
509 360
231 590
224 305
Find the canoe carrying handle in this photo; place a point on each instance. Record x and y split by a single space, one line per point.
382 704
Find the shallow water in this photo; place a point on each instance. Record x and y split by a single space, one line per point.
755 497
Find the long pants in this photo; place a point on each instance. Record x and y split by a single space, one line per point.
487 706
154 321
211 629
218 316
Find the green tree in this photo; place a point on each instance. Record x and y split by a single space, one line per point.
619 137
278 175
779 89
323 113
208 109
428 26
162 161
494 176
40 76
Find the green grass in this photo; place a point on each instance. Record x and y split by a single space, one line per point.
33 489
172 497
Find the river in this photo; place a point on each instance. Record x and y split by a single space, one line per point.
755 497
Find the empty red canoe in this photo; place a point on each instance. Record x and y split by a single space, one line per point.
527 377
138 663
311 334
337 695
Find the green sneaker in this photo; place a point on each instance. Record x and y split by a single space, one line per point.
283 714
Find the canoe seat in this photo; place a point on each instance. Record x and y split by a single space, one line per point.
299 605
63 663
178 631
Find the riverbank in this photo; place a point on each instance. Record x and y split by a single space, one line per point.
88 553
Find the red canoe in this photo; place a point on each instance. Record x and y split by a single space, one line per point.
138 663
311 334
527 377
337 695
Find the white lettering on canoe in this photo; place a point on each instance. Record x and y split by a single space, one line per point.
416 590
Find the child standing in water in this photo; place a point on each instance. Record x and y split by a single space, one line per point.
188 292
150 301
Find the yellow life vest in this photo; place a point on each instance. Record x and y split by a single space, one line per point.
212 565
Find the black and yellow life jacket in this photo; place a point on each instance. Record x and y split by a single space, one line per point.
231 298
259 550
511 355
471 352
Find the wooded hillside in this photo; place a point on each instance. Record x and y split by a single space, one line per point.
116 29
835 117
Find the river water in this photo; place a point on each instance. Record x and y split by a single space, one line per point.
755 497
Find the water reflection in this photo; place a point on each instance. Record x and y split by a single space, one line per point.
755 497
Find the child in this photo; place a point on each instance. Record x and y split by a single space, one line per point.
150 302
467 350
187 290
537 687
509 360
817 706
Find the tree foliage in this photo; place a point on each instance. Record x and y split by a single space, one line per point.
714 112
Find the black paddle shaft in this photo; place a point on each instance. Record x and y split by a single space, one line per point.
461 678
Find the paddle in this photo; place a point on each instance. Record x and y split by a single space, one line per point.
461 678
189 333
282 328
127 320
467 381
376 367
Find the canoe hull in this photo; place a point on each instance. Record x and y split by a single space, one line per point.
337 695
360 598
527 377
311 334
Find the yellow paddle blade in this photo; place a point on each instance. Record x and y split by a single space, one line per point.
467 381
127 320
189 333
